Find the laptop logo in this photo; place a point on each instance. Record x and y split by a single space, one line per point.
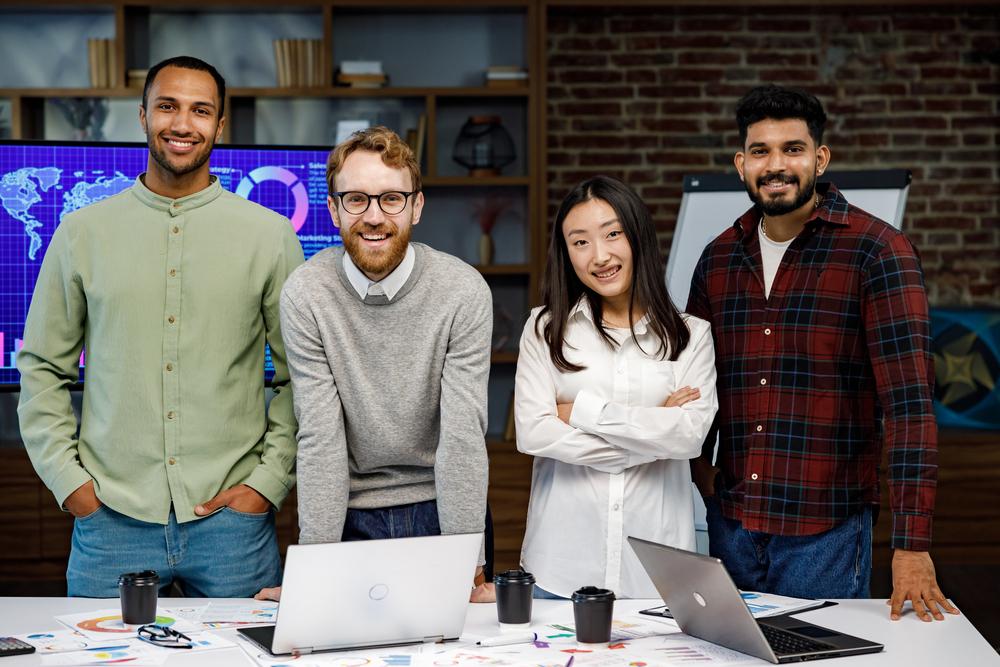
699 599
378 592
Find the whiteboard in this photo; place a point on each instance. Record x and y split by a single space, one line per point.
713 202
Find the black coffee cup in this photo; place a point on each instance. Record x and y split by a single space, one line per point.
515 589
138 591
593 608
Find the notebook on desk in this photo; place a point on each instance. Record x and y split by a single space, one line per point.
706 604
371 593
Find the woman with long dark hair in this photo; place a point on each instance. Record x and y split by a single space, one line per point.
615 391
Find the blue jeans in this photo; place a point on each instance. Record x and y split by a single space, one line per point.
834 564
229 554
413 520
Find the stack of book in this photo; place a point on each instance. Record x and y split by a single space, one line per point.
136 78
101 55
506 76
361 74
299 62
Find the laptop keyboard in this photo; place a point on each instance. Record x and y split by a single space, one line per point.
785 643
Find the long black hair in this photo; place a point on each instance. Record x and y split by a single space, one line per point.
561 288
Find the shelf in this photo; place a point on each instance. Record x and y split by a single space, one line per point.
388 91
70 92
473 181
503 358
503 269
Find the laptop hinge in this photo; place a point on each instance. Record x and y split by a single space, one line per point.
302 651
435 639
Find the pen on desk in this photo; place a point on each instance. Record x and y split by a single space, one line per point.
569 663
513 638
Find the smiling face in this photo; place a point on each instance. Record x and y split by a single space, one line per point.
376 241
779 165
182 124
598 250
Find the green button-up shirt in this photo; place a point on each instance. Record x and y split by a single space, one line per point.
172 299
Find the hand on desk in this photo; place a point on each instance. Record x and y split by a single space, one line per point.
481 590
241 498
913 579
83 501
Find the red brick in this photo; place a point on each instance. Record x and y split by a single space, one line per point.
950 88
642 59
708 58
669 91
963 122
590 109
931 24
641 76
642 24
590 76
690 74
671 125
731 23
780 25
603 158
789 75
578 60
598 92
588 44
677 157
793 58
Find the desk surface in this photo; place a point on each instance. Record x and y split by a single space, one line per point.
908 641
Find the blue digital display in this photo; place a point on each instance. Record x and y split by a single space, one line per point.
40 182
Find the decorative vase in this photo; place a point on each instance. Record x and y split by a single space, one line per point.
483 146
485 250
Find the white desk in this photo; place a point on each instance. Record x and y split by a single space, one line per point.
907 642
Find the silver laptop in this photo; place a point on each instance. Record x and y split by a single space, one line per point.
372 593
706 604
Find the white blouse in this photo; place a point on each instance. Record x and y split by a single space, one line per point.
620 467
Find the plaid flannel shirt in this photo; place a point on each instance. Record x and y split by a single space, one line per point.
815 378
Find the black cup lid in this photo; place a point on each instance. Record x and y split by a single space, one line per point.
593 594
139 578
513 577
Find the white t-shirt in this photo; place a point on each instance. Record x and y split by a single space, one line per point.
771 253
620 467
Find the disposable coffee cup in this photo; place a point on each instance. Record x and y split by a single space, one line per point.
138 591
515 589
593 609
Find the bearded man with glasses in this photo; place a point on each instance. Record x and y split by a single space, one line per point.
388 347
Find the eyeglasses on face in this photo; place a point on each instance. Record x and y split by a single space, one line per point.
161 635
391 203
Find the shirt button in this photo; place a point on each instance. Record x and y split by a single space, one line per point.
616 506
171 460
170 367
171 319
763 381
753 476
176 230
767 332
173 272
759 428
170 415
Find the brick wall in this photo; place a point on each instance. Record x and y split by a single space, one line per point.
649 94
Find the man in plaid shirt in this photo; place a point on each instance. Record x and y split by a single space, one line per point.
822 342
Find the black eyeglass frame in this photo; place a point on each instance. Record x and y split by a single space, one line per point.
161 635
378 198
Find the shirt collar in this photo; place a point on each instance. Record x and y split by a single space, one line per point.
832 209
176 206
582 309
391 284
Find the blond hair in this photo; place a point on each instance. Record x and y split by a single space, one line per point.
380 139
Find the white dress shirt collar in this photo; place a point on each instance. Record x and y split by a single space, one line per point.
390 285
582 309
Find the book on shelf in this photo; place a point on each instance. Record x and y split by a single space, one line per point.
101 58
136 78
361 67
362 80
506 76
298 62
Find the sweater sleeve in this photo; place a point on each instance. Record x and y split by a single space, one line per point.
322 467
461 467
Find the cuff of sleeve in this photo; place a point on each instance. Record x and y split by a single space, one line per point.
68 481
587 410
266 484
911 532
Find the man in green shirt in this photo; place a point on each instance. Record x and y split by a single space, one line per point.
172 287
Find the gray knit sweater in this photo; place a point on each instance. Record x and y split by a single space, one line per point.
390 396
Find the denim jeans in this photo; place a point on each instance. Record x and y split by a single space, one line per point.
833 564
227 554
413 520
